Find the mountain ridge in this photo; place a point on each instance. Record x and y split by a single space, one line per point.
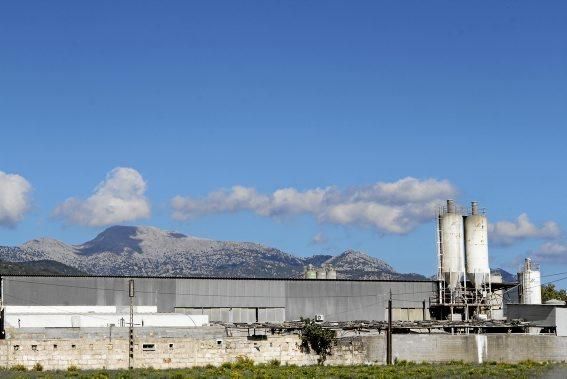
147 250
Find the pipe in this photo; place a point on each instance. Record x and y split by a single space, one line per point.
474 208
451 206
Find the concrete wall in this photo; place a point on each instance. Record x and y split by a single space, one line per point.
479 348
561 321
337 300
199 347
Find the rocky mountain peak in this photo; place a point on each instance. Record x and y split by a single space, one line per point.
353 260
47 243
146 250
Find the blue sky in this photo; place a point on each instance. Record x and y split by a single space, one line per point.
198 97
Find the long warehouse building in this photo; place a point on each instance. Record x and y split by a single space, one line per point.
232 300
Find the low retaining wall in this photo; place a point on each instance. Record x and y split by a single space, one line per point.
479 348
154 350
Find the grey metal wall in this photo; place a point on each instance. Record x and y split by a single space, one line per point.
353 300
53 291
541 314
242 293
337 300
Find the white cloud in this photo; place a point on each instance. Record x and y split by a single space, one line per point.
120 197
505 233
396 207
554 252
319 239
14 198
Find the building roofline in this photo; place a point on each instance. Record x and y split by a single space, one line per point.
219 278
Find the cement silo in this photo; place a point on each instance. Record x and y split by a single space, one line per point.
451 245
321 273
331 272
476 247
530 283
310 272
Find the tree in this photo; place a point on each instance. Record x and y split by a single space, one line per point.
315 337
548 292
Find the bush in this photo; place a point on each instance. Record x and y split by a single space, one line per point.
18 368
243 362
38 367
274 363
72 368
315 337
227 365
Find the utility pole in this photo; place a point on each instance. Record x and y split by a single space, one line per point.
131 331
389 335
2 330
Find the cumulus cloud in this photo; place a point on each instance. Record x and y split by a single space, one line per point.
506 233
14 199
118 198
554 252
395 207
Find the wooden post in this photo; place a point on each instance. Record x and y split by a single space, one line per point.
389 336
2 314
131 330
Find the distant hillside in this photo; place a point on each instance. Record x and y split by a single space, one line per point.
144 250
506 276
45 267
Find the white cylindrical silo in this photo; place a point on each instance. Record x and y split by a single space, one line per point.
530 282
321 273
476 247
452 245
331 272
310 273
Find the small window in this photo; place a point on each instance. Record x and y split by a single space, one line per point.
171 346
55 346
16 347
149 347
34 347
73 346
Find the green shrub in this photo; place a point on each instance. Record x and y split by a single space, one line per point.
38 367
72 368
315 337
243 362
18 368
274 363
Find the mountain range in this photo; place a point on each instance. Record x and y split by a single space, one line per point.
150 251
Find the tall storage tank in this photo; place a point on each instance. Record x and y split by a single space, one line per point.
452 247
310 273
530 283
321 273
331 272
476 247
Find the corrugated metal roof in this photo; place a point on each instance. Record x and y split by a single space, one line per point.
219 278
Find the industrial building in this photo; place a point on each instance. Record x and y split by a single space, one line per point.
165 322
464 289
230 300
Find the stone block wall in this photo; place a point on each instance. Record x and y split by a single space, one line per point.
159 352
163 353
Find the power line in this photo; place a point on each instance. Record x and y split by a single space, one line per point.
198 294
